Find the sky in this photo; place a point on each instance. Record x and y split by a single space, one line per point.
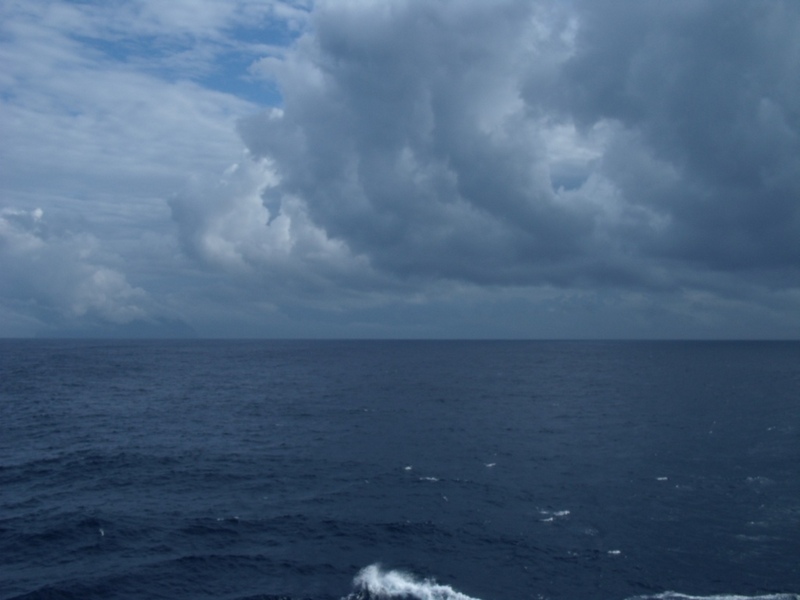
590 169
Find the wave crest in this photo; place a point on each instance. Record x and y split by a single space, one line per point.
375 583
372 582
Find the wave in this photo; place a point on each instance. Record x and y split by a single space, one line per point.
375 583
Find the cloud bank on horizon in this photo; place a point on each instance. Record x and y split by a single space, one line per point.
400 168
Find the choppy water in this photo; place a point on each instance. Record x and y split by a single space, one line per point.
432 470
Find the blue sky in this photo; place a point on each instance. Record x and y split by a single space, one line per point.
365 168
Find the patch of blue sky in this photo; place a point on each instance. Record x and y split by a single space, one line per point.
86 2
228 71
119 50
231 74
222 65
276 32
158 56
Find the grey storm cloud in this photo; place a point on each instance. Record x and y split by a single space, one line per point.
591 143
709 90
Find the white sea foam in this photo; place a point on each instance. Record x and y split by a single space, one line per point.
552 515
374 582
677 596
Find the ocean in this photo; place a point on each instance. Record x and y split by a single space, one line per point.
435 470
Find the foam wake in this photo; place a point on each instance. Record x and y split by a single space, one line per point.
676 596
373 582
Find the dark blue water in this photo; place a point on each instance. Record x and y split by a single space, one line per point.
491 470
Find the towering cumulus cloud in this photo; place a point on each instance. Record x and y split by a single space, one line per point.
637 145
405 132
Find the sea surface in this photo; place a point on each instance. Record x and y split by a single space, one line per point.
436 470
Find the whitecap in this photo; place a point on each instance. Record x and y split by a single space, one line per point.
551 515
374 582
677 596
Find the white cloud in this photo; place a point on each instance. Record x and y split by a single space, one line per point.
61 277
68 120
226 225
426 164
98 141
